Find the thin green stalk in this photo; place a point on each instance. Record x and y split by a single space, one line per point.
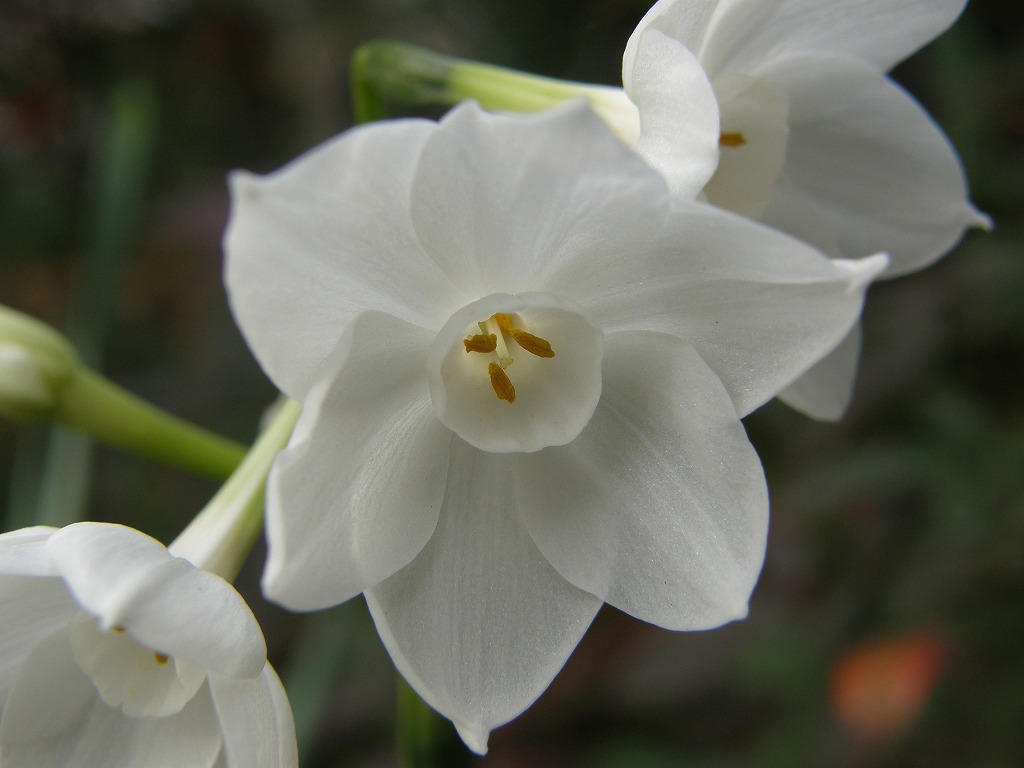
419 730
425 738
326 644
221 536
106 412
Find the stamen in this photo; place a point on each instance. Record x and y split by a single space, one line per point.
481 343
734 139
535 345
504 358
492 338
501 383
118 630
161 658
504 321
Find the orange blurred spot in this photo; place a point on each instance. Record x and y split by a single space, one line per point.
880 688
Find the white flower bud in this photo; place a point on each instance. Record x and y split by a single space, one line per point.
36 363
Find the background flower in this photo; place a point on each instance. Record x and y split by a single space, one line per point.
115 653
815 139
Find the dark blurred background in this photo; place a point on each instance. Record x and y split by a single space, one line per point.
888 626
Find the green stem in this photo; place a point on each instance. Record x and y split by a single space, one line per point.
98 407
418 729
221 536
425 738
326 646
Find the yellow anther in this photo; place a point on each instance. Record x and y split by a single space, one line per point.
501 383
481 342
735 139
504 322
535 345
118 630
161 658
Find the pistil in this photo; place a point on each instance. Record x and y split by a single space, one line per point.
496 326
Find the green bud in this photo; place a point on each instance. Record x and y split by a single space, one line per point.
36 364
389 76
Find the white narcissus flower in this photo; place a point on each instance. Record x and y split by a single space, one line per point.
115 653
815 139
522 369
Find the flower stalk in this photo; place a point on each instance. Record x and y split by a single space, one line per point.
92 404
221 536
420 734
43 379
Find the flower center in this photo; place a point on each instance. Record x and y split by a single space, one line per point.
495 378
754 132
495 335
141 681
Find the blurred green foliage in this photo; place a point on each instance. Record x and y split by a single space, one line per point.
908 515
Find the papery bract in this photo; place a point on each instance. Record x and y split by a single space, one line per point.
522 367
115 653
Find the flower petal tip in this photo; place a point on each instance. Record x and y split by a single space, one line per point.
244 186
282 588
474 736
862 272
739 612
979 220
271 584
273 591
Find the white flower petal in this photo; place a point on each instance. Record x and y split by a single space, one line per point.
329 233
256 721
499 201
824 392
759 307
479 622
139 680
876 165
746 33
679 121
686 22
34 601
49 703
23 552
356 494
616 109
129 580
794 211
32 608
55 719
660 506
